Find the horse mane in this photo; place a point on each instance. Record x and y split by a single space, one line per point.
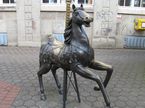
68 32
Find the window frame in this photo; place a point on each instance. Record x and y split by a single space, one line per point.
132 3
10 7
1 2
58 2
131 10
62 6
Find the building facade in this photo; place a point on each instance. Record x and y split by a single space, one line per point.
30 22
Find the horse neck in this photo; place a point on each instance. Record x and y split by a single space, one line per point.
79 35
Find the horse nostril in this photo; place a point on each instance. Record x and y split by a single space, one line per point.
87 17
91 19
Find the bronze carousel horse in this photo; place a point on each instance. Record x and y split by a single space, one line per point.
75 55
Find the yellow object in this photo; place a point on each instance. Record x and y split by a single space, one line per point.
139 24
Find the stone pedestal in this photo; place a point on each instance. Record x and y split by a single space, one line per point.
28 22
104 31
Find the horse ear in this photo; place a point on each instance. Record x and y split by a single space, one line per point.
81 6
73 7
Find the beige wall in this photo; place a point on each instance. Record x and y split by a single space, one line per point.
51 22
46 22
8 24
54 22
28 22
125 27
104 31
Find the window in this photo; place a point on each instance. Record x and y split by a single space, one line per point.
9 1
60 5
132 3
63 1
8 5
49 1
84 1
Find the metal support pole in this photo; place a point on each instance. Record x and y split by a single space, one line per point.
68 2
64 88
76 86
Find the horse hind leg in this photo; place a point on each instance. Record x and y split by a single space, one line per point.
97 65
79 69
53 69
43 70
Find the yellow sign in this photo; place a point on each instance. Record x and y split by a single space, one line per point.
139 24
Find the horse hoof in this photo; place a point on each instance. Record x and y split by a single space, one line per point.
108 107
96 88
43 97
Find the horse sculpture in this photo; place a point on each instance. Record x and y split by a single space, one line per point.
75 55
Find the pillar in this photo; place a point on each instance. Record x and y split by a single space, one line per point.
28 22
104 27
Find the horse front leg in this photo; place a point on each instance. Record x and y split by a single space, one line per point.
97 65
82 71
43 70
53 69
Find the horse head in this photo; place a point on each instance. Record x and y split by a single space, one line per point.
80 17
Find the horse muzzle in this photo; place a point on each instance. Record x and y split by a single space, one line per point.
91 19
88 21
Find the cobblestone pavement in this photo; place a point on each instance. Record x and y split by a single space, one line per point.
19 66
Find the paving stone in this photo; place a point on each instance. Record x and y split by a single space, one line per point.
139 107
91 99
8 93
52 104
42 104
120 104
141 103
21 107
19 66
18 103
131 103
29 103
35 107
36 98
26 97
123 98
